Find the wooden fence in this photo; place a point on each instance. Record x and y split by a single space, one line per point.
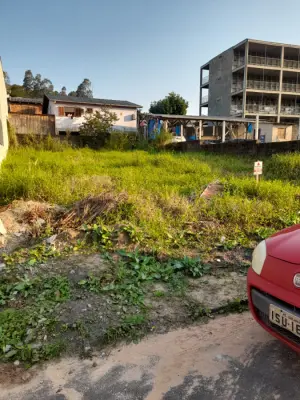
25 124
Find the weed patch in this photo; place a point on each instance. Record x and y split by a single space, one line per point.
25 330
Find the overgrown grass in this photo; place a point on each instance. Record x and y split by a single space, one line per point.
164 211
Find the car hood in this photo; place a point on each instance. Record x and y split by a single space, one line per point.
285 245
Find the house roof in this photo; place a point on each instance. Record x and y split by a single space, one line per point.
25 100
86 100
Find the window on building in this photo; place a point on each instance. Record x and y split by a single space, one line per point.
70 112
89 111
61 111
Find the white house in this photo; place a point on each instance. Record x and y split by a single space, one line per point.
70 111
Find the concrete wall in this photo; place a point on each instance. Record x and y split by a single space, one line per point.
240 148
3 117
127 117
267 131
220 80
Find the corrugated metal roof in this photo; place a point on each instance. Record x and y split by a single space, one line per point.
25 100
86 100
198 118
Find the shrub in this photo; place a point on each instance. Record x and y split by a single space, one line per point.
98 124
161 139
119 140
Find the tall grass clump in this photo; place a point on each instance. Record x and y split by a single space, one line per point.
44 142
284 166
12 136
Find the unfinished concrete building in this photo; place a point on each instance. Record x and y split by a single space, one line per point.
253 78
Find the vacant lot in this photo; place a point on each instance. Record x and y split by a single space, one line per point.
142 251
162 202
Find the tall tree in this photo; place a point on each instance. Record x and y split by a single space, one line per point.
41 86
46 86
63 91
85 89
171 104
72 93
28 81
37 83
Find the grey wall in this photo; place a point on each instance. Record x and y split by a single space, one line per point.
220 79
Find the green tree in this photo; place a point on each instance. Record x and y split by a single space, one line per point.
72 93
17 91
171 104
46 86
28 81
41 86
85 89
99 124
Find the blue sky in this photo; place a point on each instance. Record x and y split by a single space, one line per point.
134 50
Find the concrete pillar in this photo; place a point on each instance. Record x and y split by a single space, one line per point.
200 94
256 127
280 84
214 130
200 129
245 78
223 131
181 130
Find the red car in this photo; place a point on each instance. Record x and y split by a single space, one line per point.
274 286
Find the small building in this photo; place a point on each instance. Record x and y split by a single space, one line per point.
70 112
22 105
215 128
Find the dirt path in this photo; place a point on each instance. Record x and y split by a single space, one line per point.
230 358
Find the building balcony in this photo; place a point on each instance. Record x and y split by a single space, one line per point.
261 109
205 80
236 109
264 61
262 85
290 110
204 99
291 64
238 62
237 86
291 87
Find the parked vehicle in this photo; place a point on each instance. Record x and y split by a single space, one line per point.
274 286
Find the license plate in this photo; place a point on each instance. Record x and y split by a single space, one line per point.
284 319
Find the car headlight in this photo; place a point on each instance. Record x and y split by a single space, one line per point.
258 257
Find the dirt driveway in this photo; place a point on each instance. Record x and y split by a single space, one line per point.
228 358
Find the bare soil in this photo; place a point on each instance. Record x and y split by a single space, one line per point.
88 316
230 358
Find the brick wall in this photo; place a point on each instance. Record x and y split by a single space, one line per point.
25 108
